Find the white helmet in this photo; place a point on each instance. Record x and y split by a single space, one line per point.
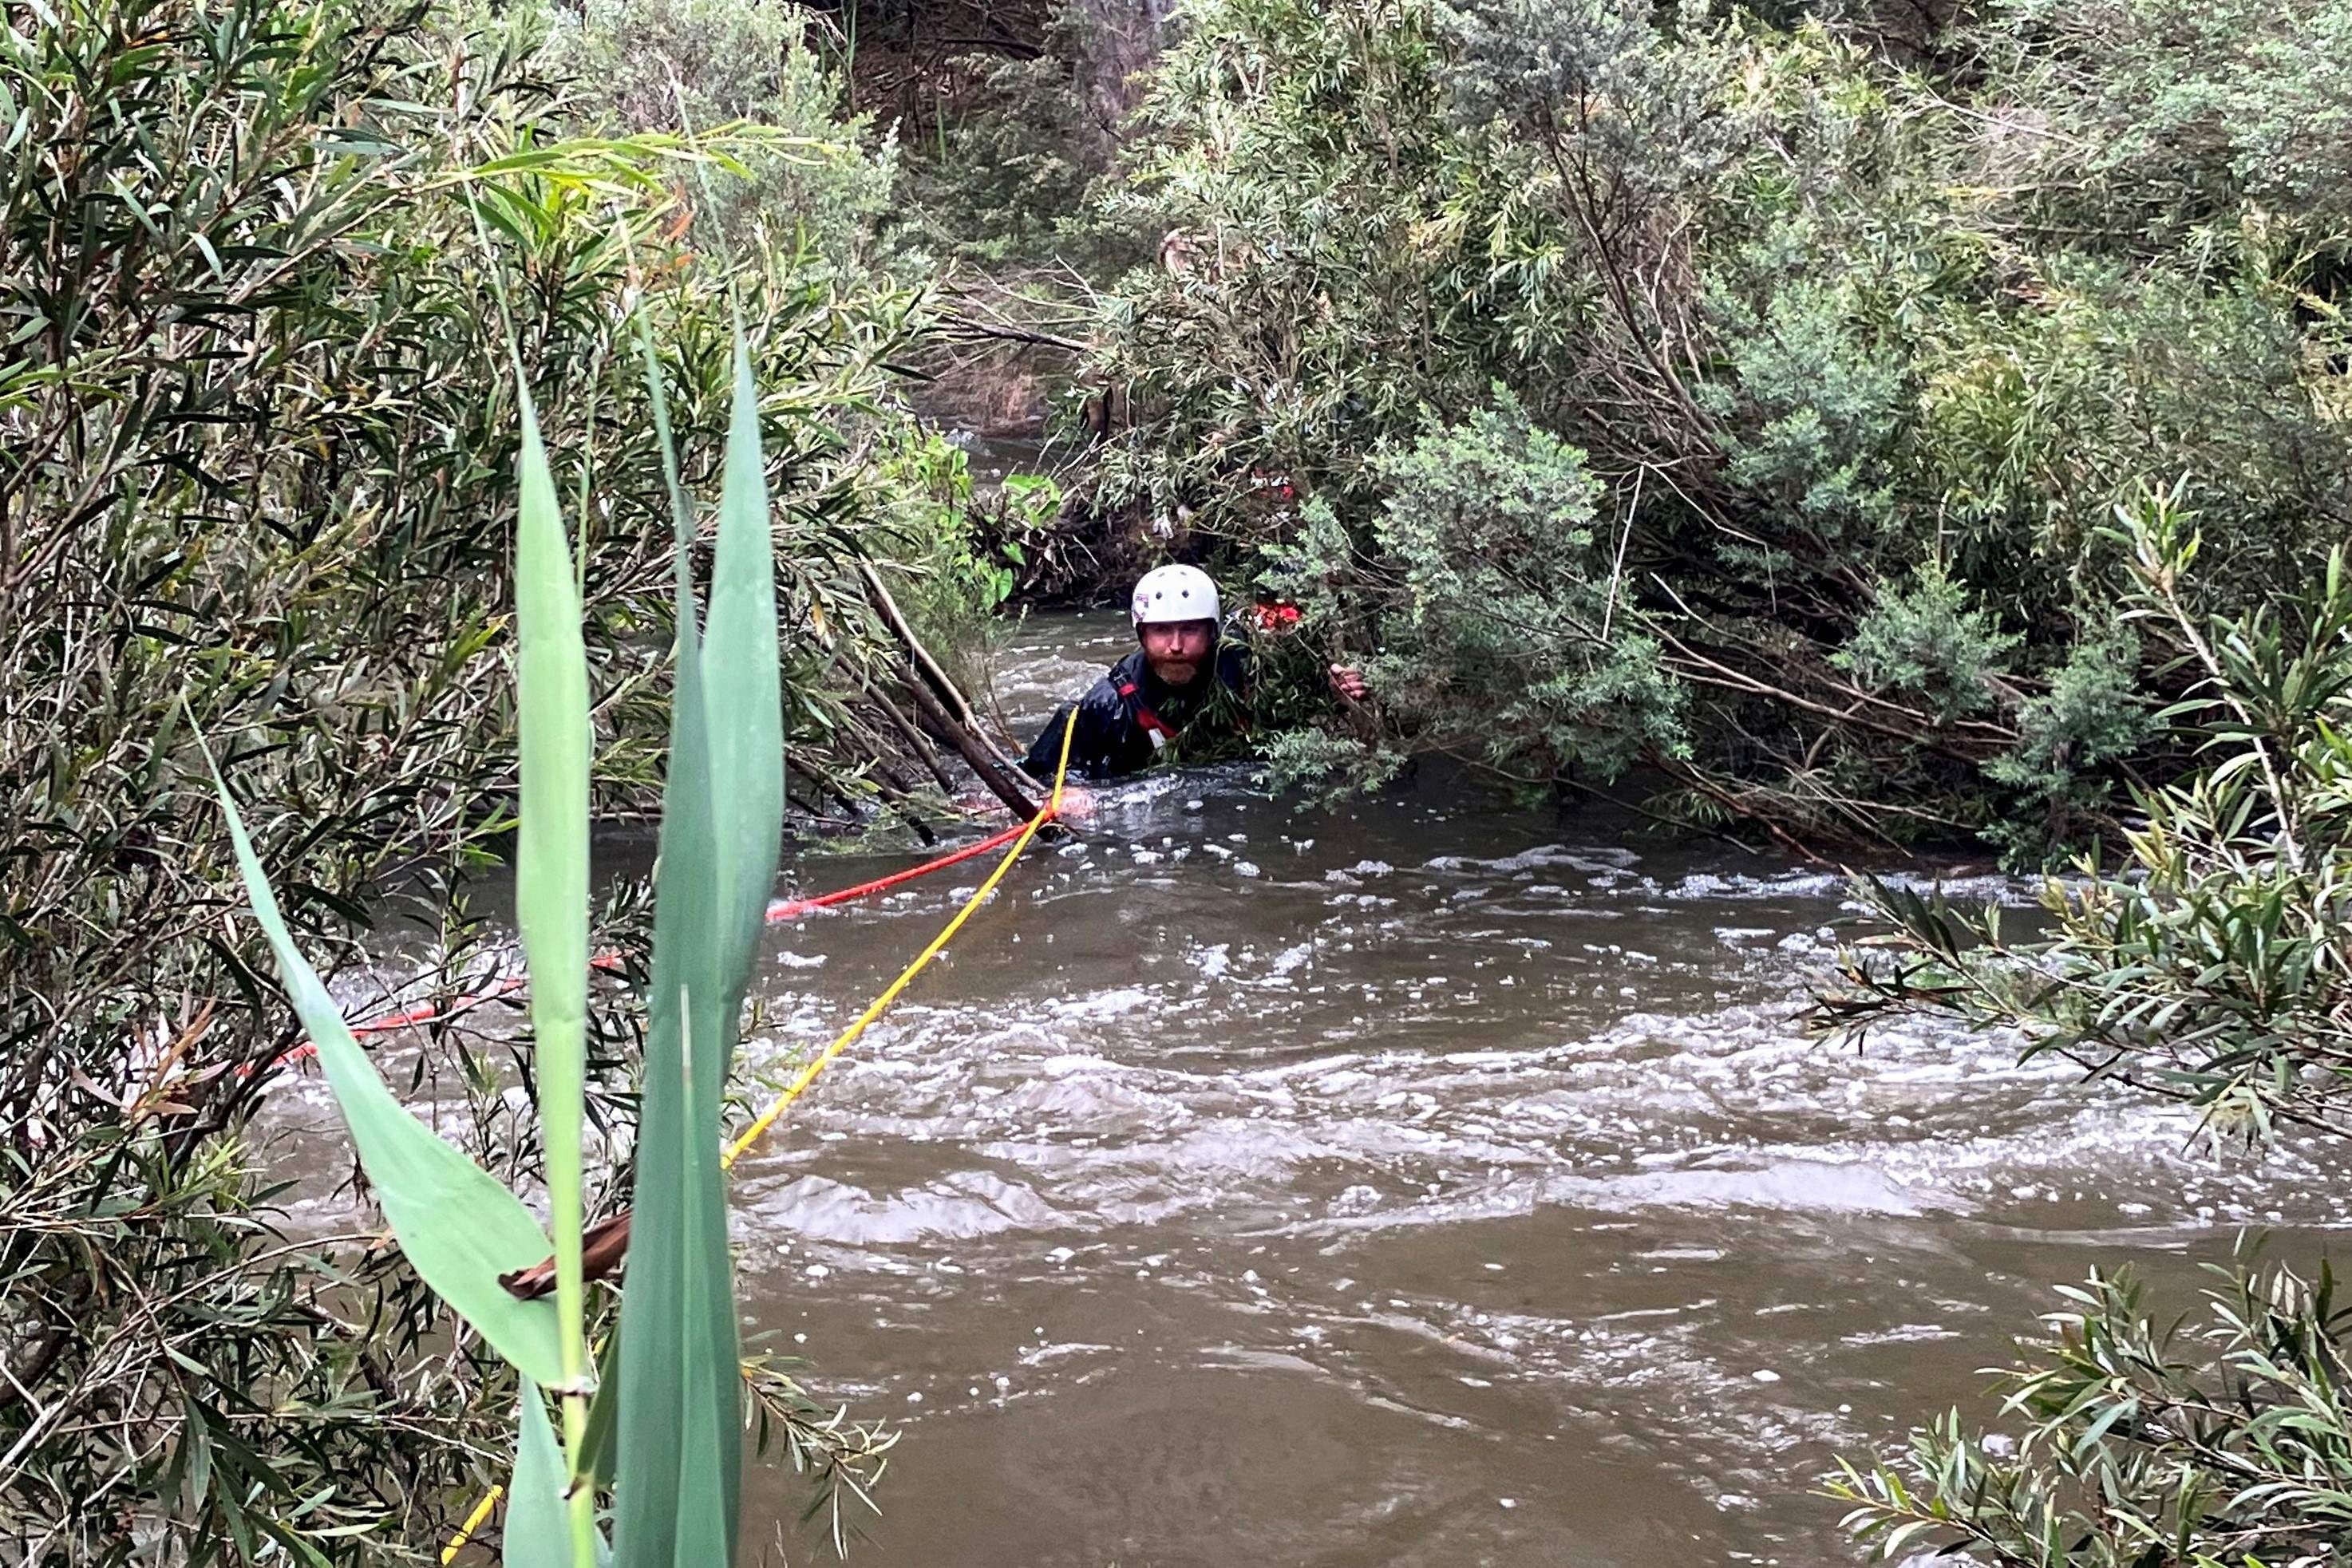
1168 593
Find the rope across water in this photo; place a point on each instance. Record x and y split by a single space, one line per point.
891 993
781 910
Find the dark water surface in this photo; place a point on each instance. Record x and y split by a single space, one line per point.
1422 1183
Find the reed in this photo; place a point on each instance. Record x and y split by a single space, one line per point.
675 1461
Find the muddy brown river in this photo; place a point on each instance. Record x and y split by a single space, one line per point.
1425 1182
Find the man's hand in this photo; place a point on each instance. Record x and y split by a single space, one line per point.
1349 682
1078 803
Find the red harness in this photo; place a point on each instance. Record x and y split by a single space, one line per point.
1158 728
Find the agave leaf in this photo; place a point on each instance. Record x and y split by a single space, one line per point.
552 855
458 1227
538 1535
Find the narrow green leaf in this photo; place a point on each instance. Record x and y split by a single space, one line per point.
744 712
458 1227
679 1454
711 1425
743 695
551 854
197 1443
537 1534
667 1334
681 504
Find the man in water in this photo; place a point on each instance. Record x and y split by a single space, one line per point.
1182 673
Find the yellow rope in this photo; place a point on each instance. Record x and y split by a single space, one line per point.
843 1041
849 1037
473 1523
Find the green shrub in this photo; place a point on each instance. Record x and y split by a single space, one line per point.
1492 614
2204 971
258 470
1821 324
2068 739
825 186
1925 640
2141 123
1810 409
2041 415
2146 1441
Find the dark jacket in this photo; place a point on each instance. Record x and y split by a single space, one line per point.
1125 719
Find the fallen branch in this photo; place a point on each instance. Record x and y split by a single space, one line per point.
944 689
914 740
993 771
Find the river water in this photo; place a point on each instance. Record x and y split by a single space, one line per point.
1419 1183
1425 1182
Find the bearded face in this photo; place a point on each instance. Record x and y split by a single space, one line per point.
1178 651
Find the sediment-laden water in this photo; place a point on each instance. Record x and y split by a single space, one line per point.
1419 1183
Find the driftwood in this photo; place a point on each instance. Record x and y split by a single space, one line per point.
916 744
1002 780
925 666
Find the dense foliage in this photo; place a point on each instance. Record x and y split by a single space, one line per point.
1724 404
2149 1441
2207 969
1497 604
681 66
258 267
1856 350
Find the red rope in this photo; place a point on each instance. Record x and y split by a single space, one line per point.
781 909
792 908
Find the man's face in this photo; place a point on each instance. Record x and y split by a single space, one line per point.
1176 650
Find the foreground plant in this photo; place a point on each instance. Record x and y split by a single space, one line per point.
248 463
2148 1442
676 1460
